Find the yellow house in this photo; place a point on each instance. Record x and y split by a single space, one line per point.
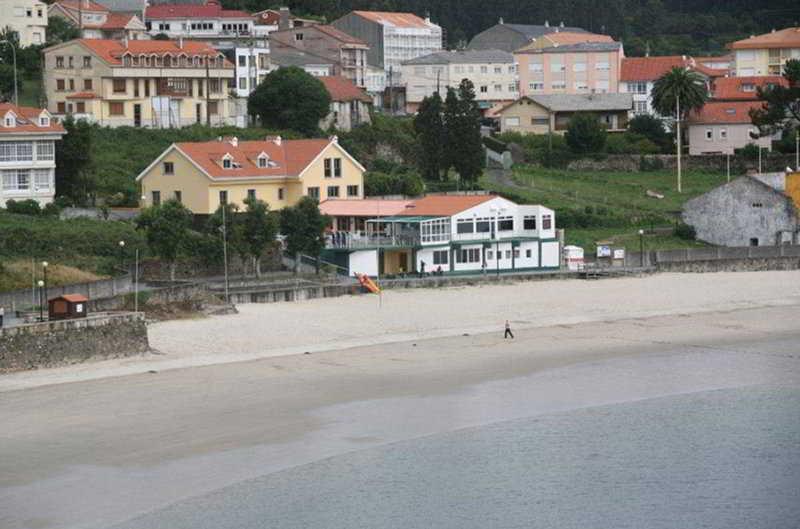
765 54
204 175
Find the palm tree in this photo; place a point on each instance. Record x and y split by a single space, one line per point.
677 93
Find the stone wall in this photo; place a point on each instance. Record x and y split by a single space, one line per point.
732 265
17 299
717 163
54 343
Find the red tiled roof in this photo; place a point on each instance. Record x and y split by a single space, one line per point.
731 88
390 18
724 112
27 120
784 38
709 72
289 159
111 51
338 35
113 21
343 89
363 208
443 205
72 298
188 11
83 95
649 68
83 5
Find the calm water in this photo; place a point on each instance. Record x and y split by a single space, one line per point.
721 459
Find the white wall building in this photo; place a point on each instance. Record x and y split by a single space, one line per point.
27 154
28 18
224 28
448 233
252 64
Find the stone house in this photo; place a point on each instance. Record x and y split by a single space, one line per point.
542 114
744 212
350 105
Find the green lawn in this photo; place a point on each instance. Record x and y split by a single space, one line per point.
29 92
610 205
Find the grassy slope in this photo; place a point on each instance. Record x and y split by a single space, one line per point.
621 195
18 274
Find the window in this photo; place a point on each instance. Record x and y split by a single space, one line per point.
328 164
484 89
489 255
541 122
483 225
498 88
251 194
484 69
528 253
156 198
352 191
637 88
471 255
333 191
754 241
87 61
746 55
17 180
512 87
116 108
535 67
505 223
60 85
558 85
465 226
512 122
547 222
178 195
602 65
601 86
213 108
16 151
508 254
440 257
536 86
136 88
640 107
243 83
169 168
298 36
45 150
119 86
516 253
263 161
87 84
281 193
242 60
419 70
44 121
223 198
581 85
723 134
556 67
72 85
313 192
61 108
227 163
59 61
709 134
498 69
146 88
435 230
41 179
529 222
579 67
337 167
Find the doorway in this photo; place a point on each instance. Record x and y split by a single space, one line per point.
137 115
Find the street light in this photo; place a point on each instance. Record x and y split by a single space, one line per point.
641 248
496 237
41 303
45 264
122 255
14 55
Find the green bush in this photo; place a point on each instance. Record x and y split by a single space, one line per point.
407 183
51 210
397 133
23 207
585 134
652 128
630 143
749 151
494 144
685 232
542 149
648 163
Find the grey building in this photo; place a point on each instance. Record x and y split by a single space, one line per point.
511 37
134 7
744 212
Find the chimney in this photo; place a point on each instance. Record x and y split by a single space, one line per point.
275 139
334 139
284 18
180 42
219 139
428 17
547 23
234 141
125 41
501 21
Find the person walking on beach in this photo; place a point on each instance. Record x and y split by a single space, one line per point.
508 331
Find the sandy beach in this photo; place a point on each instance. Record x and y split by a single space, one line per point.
262 331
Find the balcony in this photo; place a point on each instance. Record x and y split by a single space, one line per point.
173 87
342 240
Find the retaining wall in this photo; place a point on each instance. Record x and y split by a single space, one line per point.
17 299
710 162
53 343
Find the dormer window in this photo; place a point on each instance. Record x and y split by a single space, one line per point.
227 161
748 87
263 160
9 121
44 121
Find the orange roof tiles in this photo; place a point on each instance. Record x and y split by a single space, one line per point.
784 38
733 88
724 112
189 11
288 159
27 120
72 298
649 68
84 5
112 51
338 34
113 21
363 208
343 89
390 18
444 205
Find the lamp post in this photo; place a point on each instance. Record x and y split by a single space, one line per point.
45 264
641 248
122 255
14 55
759 160
41 303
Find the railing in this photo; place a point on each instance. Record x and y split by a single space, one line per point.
352 241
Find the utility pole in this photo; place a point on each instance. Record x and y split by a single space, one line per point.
728 164
678 132
208 96
391 92
225 250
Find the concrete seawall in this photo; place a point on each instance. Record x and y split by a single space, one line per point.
53 343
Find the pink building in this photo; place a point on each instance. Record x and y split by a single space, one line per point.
569 63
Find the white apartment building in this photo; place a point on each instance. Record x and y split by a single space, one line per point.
393 38
638 74
28 18
224 28
252 64
765 54
493 73
27 154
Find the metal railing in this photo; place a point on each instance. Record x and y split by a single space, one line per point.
350 241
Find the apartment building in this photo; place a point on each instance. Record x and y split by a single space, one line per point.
511 37
393 38
27 154
347 53
765 54
491 71
140 83
96 21
721 127
569 63
205 175
743 88
252 65
638 74
445 234
223 28
27 18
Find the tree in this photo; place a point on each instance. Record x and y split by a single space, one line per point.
407 183
258 230
781 109
651 128
304 226
677 93
429 127
167 228
233 236
585 134
6 82
74 167
59 30
450 122
290 98
463 146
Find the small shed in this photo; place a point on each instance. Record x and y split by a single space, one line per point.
67 307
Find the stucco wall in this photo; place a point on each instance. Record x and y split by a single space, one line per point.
738 135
